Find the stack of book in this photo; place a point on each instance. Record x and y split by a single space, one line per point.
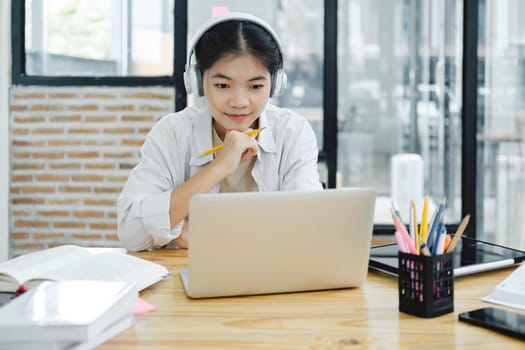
69 315
70 297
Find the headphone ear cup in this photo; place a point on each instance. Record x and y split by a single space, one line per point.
193 80
279 82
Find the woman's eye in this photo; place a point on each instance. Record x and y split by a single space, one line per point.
257 86
221 86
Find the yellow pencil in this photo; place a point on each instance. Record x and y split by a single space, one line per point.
218 147
424 221
414 222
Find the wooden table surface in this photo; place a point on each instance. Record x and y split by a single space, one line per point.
360 318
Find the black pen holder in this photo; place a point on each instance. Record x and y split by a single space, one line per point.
426 284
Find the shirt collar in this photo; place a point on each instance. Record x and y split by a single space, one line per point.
201 138
265 139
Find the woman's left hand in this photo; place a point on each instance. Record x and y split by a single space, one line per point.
182 240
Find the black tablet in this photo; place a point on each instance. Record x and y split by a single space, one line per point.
470 256
499 320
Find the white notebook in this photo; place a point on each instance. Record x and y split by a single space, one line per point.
74 311
108 333
511 291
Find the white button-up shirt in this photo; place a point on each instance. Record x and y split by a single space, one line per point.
171 154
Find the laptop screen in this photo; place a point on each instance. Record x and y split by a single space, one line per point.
470 256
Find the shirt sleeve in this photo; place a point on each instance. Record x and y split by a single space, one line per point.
143 205
301 155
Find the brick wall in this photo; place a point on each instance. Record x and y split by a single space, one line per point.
71 152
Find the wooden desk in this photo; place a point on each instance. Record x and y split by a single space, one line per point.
361 318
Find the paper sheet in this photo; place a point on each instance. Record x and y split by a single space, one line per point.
511 291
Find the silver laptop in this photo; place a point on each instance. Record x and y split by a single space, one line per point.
275 242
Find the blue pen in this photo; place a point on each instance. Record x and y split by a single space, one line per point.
434 229
440 241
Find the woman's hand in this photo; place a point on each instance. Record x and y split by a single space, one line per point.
237 146
182 240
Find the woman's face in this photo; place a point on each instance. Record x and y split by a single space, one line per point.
237 89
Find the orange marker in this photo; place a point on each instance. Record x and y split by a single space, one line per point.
447 240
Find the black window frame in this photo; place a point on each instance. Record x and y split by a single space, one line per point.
20 77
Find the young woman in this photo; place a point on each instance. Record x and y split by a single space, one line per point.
237 67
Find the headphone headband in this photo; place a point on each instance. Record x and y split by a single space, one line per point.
231 16
192 75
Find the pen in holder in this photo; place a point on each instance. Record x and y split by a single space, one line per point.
426 284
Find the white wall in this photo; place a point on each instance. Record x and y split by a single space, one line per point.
5 78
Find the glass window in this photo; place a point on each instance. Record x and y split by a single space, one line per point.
399 96
299 25
99 37
501 122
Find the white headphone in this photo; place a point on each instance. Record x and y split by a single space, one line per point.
192 73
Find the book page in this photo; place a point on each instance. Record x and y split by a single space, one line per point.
110 266
38 265
510 292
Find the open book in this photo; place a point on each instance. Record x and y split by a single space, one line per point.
511 291
70 262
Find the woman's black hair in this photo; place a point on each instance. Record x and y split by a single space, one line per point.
232 38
